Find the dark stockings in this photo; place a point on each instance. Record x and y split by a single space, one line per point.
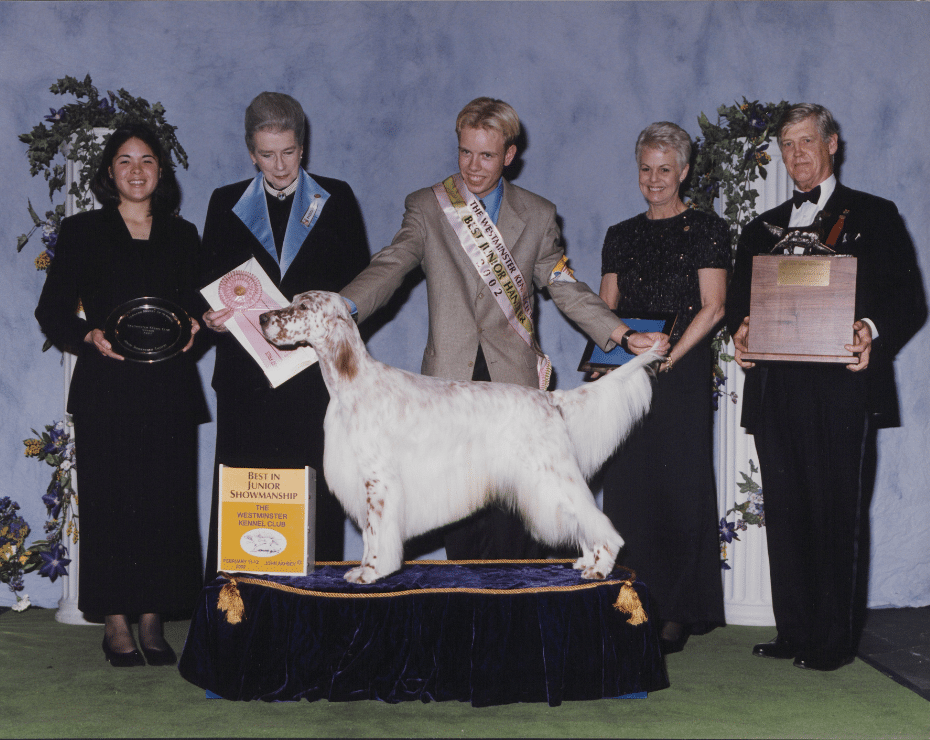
119 635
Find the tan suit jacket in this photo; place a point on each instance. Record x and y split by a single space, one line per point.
462 312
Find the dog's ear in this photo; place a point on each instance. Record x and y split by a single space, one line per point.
346 362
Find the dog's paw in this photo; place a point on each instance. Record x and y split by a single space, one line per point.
581 563
593 573
362 574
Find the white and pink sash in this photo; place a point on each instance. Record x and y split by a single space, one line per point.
485 248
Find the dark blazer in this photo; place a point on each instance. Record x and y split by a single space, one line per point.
889 292
97 263
333 252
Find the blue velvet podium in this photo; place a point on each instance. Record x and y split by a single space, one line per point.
488 633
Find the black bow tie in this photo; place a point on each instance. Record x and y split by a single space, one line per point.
800 198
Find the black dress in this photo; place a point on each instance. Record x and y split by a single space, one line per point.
135 423
659 489
257 425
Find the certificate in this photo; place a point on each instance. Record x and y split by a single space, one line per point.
250 292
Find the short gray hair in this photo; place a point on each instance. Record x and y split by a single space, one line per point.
273 111
823 119
663 136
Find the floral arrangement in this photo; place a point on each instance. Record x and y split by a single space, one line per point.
69 136
751 511
55 447
15 558
731 154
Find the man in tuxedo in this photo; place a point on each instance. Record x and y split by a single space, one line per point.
814 423
485 246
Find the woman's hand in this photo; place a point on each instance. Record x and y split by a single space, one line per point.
216 320
195 327
96 338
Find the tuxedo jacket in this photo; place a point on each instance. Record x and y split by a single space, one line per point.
462 312
889 292
325 247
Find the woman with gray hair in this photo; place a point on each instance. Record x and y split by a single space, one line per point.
659 490
306 232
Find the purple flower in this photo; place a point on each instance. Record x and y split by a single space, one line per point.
727 531
54 563
724 566
55 115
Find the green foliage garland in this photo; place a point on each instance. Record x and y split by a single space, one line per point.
69 135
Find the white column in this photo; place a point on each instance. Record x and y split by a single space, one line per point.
68 612
747 593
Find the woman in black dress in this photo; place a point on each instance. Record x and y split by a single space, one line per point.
306 232
135 422
659 490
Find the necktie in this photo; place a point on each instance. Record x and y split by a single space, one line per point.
800 198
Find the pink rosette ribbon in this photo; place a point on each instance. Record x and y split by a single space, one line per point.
242 291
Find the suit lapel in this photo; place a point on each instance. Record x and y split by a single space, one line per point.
252 210
510 222
308 203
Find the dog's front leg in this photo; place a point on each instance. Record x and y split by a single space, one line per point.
381 534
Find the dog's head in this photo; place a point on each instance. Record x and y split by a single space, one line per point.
310 319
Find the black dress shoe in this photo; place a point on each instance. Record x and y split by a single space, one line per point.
160 657
122 660
777 648
812 663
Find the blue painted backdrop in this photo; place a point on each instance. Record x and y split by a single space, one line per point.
382 83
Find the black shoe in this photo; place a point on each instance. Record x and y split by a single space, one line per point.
812 663
673 646
777 648
122 660
160 657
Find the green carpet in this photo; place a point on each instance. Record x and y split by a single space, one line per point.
54 682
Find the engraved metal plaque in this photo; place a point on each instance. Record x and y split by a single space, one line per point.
148 329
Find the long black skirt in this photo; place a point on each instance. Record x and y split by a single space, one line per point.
659 492
138 522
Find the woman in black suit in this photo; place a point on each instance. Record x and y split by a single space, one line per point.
306 232
135 422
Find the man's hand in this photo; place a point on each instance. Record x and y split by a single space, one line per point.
642 341
741 343
216 320
862 346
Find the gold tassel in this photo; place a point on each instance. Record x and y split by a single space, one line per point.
230 601
628 602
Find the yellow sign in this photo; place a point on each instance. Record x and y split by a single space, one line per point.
266 520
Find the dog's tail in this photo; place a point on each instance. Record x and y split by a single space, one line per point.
600 415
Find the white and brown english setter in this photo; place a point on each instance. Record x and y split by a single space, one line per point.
408 453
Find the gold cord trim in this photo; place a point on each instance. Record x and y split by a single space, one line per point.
628 602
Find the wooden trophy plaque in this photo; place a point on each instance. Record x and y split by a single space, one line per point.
802 308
